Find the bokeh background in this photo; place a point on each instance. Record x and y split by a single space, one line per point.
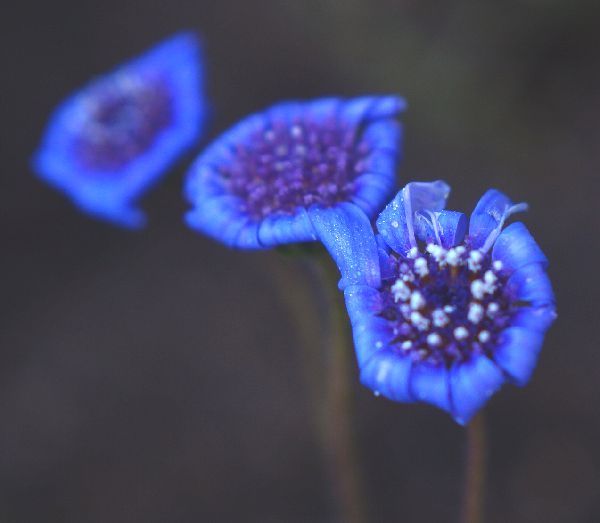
156 376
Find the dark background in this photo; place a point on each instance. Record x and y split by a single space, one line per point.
156 376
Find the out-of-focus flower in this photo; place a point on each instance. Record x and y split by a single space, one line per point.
290 173
440 314
110 141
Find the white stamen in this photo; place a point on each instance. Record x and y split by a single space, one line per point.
439 318
421 267
460 250
497 265
413 253
475 314
460 333
406 345
453 258
484 336
490 277
400 290
434 339
395 224
474 261
478 289
419 321
409 276
438 253
417 301
492 309
449 309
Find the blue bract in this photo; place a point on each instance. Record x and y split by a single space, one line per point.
278 176
108 142
444 310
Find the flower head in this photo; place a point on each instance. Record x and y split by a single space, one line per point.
108 142
446 315
263 181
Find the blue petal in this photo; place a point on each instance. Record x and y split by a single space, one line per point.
222 219
109 193
429 383
472 383
451 228
396 222
366 108
282 229
323 111
371 333
516 248
530 284
534 318
346 233
387 372
372 191
517 352
385 135
385 262
488 218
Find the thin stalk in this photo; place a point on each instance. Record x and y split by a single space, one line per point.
308 285
474 487
338 424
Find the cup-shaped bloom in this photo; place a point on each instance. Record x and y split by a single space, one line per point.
108 142
267 180
445 310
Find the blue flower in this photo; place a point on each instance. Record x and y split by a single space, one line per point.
444 310
107 143
266 181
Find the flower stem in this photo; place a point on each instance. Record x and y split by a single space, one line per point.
337 416
328 370
474 487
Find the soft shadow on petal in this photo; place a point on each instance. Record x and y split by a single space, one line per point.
429 383
452 227
517 352
387 372
530 284
385 135
515 248
472 383
346 233
371 333
534 318
284 228
221 219
489 216
396 221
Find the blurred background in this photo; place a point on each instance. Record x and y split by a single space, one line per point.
156 376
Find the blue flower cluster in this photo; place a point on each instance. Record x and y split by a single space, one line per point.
110 141
444 309
265 181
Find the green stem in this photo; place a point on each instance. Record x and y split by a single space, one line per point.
328 365
473 496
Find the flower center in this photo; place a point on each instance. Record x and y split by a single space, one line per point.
445 305
120 119
280 168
